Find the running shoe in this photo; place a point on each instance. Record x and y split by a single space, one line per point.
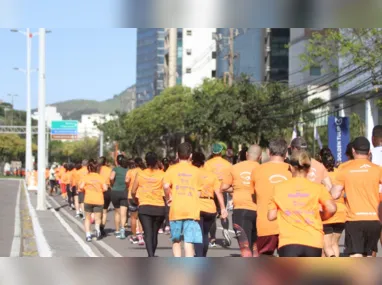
212 244
98 235
167 230
160 231
88 238
72 206
83 218
141 241
122 234
78 215
227 237
134 240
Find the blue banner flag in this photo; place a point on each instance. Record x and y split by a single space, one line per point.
339 136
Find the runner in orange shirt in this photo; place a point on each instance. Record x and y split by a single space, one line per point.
317 172
218 165
105 172
182 185
244 203
296 206
263 179
69 185
65 182
334 226
149 185
360 180
93 185
81 196
210 187
64 194
136 227
75 188
167 163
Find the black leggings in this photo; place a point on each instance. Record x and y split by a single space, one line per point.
151 226
72 191
296 250
246 219
166 222
206 221
225 223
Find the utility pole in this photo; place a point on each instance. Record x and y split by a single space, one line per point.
41 206
13 106
101 144
173 42
231 56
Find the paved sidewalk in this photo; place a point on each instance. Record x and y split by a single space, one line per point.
61 242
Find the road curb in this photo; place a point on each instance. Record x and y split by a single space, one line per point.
16 243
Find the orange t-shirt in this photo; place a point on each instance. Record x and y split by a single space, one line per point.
131 174
317 172
217 165
239 176
343 165
62 172
263 180
186 183
340 215
93 188
210 183
81 174
105 172
57 173
298 202
47 173
74 177
66 178
150 187
361 179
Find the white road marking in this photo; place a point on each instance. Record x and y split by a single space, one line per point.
16 242
42 245
86 248
105 246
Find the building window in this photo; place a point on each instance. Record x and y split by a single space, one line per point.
188 51
189 33
213 73
315 70
214 54
188 70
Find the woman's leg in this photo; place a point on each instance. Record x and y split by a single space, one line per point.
328 245
335 244
158 221
199 247
117 219
98 220
148 227
87 223
134 218
207 224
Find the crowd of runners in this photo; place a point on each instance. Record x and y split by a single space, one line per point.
289 205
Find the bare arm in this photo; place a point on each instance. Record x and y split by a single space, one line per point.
167 191
105 187
135 187
112 178
272 215
336 191
327 183
220 198
329 209
226 188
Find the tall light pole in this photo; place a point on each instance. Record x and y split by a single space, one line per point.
28 151
41 206
13 106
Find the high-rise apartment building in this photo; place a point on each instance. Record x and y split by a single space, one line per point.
195 56
150 64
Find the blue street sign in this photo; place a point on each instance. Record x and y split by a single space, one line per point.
339 137
64 132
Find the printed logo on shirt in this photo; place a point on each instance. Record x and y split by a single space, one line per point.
246 177
312 174
277 178
365 166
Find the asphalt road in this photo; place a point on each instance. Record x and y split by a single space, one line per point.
8 194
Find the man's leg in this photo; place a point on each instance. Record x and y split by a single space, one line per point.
176 232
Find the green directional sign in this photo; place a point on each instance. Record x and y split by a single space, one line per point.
64 130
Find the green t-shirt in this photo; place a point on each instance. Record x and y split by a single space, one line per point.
120 179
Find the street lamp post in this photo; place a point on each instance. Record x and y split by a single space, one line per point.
13 106
41 205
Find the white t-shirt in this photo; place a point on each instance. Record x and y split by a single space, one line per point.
376 158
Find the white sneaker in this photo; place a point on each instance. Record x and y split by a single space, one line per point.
227 237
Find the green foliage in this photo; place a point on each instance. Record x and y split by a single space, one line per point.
244 113
74 151
357 126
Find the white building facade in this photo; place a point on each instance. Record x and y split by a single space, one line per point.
196 56
87 127
51 114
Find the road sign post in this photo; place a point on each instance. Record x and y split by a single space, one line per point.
64 130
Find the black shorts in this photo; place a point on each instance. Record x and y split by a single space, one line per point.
81 197
246 219
297 250
90 208
336 228
361 237
52 183
74 191
133 207
107 199
119 198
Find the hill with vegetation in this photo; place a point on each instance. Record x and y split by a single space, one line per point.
73 109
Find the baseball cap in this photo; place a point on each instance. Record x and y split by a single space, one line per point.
361 144
299 143
217 148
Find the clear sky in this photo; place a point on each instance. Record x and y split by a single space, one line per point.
80 64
